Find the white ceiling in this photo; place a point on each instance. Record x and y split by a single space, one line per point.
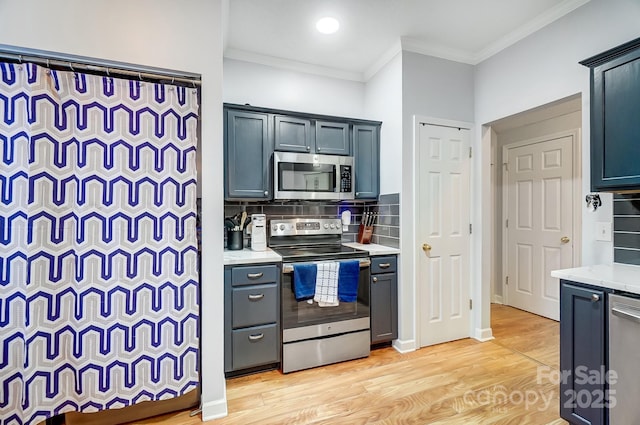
282 32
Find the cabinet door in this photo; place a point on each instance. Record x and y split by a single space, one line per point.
332 138
293 134
384 307
248 150
582 353
615 144
366 147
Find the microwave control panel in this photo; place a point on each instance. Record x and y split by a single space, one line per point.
345 178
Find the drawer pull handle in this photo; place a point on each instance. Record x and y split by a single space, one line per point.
375 279
255 275
256 297
256 337
384 265
595 298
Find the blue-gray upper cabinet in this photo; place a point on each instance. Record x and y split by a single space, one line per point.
366 146
293 134
332 138
248 149
615 127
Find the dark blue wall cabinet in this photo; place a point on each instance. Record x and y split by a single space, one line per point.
366 146
332 138
583 348
615 123
293 134
248 149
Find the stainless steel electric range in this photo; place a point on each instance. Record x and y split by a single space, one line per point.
313 335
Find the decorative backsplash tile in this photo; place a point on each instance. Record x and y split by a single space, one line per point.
626 229
386 229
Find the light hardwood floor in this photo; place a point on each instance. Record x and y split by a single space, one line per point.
461 382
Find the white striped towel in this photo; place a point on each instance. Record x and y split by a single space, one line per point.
327 284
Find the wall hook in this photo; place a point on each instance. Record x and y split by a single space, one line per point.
593 201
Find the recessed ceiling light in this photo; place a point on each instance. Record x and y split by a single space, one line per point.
327 25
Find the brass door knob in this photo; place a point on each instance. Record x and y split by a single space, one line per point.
426 247
564 239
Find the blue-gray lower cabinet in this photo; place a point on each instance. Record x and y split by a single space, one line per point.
366 149
384 299
248 149
583 353
251 317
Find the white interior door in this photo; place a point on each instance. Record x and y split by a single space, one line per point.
443 228
539 226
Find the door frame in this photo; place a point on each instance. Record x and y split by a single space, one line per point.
417 250
576 144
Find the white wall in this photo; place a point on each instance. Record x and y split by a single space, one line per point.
383 102
166 34
538 70
269 87
437 88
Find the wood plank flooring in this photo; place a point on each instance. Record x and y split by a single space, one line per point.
461 382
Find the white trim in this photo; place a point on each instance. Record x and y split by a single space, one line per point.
483 335
382 61
292 65
437 50
404 347
497 299
473 282
214 410
576 146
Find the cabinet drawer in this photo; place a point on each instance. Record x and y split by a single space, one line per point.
252 275
255 346
383 264
254 305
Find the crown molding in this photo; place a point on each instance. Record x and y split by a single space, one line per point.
529 28
437 50
290 65
384 59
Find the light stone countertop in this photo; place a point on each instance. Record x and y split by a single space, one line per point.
621 277
247 256
374 249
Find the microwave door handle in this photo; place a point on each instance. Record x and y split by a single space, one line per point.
335 177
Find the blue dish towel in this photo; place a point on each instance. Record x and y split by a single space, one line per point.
348 278
304 281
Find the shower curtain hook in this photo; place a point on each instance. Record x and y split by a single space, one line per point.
47 62
20 58
173 79
139 76
107 70
71 67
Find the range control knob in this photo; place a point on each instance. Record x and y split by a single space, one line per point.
333 226
282 227
326 225
274 227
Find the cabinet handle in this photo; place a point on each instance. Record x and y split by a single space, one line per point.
266 193
308 148
256 297
595 298
255 275
256 337
375 279
318 149
357 193
384 265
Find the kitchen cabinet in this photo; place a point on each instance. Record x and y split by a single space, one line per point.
615 107
248 149
332 138
366 146
583 353
251 317
293 134
384 299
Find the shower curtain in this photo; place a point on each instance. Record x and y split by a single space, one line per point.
98 251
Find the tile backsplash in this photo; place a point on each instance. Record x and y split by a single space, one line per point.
386 229
626 229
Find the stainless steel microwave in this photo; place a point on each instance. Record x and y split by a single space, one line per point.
309 176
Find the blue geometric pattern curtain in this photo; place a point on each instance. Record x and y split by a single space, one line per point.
98 250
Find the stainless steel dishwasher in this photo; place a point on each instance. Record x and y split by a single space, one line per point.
624 359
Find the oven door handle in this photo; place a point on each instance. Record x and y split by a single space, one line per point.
288 267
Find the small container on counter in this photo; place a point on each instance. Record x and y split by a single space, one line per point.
235 239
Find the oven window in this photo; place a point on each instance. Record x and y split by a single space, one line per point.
301 177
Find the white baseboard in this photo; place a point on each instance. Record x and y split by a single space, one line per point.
497 299
483 335
404 346
214 410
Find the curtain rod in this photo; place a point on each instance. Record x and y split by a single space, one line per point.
82 63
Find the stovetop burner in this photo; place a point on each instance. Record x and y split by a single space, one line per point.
326 252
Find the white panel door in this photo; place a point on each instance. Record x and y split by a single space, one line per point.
443 228
539 226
